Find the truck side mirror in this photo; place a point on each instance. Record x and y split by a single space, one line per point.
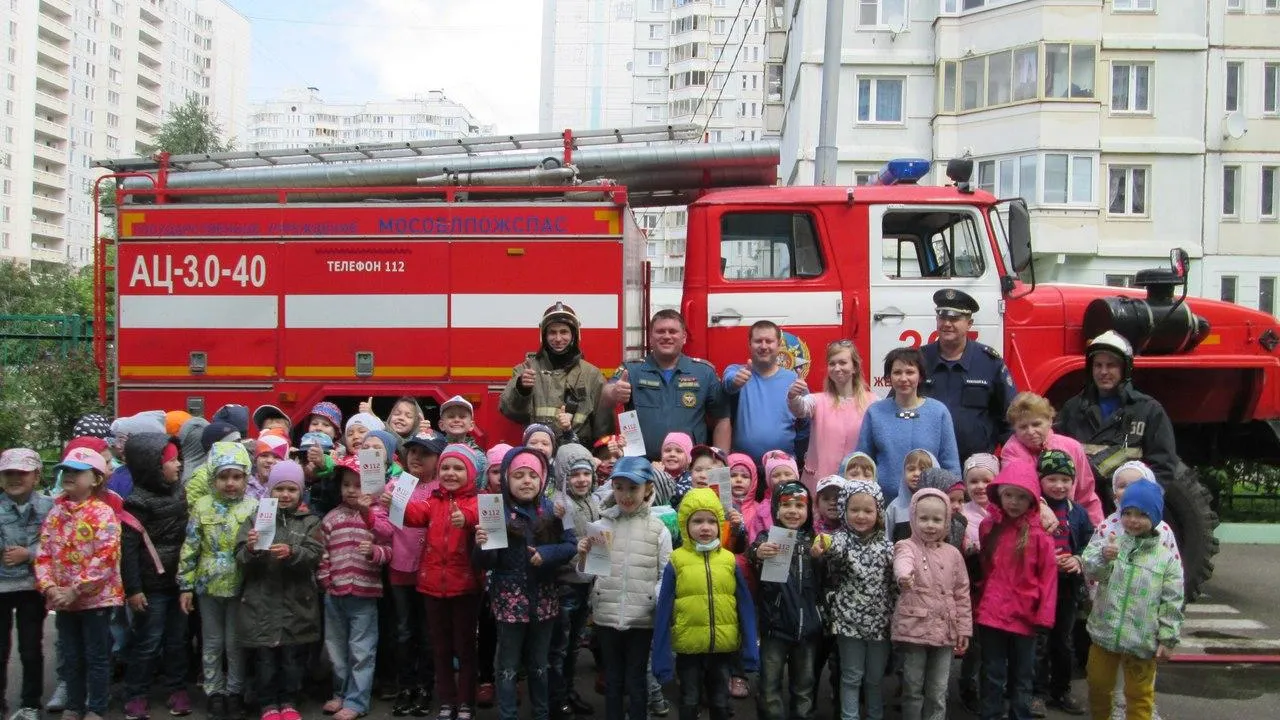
1019 235
1180 261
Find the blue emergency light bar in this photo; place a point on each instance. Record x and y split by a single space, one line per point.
906 171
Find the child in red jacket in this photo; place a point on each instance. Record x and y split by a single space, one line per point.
1019 589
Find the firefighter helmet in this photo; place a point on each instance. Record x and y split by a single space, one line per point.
1114 343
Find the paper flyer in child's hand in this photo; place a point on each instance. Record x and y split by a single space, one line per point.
629 426
718 480
492 520
373 472
566 520
598 560
405 485
265 523
776 568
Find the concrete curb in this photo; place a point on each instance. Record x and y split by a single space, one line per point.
1248 533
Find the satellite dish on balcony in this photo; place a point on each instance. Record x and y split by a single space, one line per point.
1233 126
897 24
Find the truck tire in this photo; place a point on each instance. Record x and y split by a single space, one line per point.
1188 510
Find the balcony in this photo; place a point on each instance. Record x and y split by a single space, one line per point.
42 229
49 79
53 129
54 155
51 105
149 35
54 28
47 254
49 181
61 8
147 77
148 56
148 121
49 204
58 58
148 98
149 14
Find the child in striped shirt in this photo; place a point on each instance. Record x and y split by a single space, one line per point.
357 543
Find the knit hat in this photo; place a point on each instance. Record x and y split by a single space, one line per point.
791 488
316 439
534 429
1147 497
21 459
709 451
263 413
390 441
346 463
469 457
225 454
582 464
636 469
779 460
174 419
285 471
938 479
1055 462
368 421
236 415
218 431
92 425
956 486
170 452
495 454
679 439
272 443
1143 469
525 459
328 411
985 461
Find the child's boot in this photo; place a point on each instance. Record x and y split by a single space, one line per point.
404 703
421 702
235 706
217 707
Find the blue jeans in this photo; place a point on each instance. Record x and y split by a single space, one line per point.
1007 659
527 645
220 640
351 640
796 659
925 672
161 627
86 647
565 639
624 655
862 665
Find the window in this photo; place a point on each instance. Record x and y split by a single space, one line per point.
880 100
769 246
1271 5
1270 196
1133 5
657 5
999 78
1119 280
864 177
879 13
1230 190
932 244
1227 288
1235 5
655 86
1127 190
1234 72
948 86
656 31
773 83
1026 73
1068 70
720 26
655 58
1130 87
1270 83
1267 295
972 78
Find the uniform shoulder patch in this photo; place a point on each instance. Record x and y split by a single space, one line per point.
700 360
992 352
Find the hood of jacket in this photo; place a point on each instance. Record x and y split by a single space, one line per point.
903 501
566 456
193 452
743 459
775 501
939 479
844 464
695 500
227 454
921 494
1018 474
506 470
856 487
142 455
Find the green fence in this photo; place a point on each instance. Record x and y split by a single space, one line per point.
25 339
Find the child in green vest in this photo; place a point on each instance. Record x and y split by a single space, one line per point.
705 613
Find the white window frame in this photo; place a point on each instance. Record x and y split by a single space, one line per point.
1273 196
1235 6
1072 180
1268 307
1126 6
1130 101
1238 85
1230 202
1271 6
1129 173
875 81
881 21
1271 72
659 55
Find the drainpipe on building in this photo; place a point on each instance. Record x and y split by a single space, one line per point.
827 157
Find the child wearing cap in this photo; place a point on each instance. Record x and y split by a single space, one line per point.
1137 614
22 512
702 459
356 537
790 623
270 449
705 613
207 570
200 483
622 603
279 609
541 438
576 506
270 417
457 420
522 589
1054 652
77 571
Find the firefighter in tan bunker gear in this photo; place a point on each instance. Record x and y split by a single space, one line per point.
556 386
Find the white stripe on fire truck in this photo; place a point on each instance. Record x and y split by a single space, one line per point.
525 311
198 312
365 311
792 307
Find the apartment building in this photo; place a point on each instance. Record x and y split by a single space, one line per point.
1129 126
302 118
87 79
652 62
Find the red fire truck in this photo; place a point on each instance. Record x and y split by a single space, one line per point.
422 269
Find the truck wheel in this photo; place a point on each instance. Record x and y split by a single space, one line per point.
1188 510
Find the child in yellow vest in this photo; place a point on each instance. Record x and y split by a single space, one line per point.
705 613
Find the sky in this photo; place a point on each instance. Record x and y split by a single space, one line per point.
484 54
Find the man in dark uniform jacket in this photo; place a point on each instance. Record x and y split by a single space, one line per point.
968 377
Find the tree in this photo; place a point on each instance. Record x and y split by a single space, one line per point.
191 129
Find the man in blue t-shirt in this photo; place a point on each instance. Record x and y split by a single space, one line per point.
763 421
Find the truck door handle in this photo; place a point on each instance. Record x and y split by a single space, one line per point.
887 314
726 314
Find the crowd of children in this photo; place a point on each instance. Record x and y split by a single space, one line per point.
484 570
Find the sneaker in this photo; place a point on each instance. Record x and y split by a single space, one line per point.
446 713
658 706
179 704
1067 704
484 695
26 713
1037 708
289 712
421 702
463 713
137 709
738 688
58 700
270 713
333 706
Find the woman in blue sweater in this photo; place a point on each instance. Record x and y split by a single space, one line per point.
905 421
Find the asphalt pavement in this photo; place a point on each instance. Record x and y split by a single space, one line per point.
1238 620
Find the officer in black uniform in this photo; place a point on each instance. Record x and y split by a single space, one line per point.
970 378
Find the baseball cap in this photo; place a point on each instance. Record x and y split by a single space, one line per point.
82 459
636 469
266 412
457 401
20 459
433 445
316 439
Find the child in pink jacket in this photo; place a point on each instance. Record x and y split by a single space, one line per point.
1019 589
933 617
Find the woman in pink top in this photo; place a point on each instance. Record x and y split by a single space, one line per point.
835 414
1031 417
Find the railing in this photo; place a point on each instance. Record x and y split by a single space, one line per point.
48 179
55 52
1247 492
48 204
